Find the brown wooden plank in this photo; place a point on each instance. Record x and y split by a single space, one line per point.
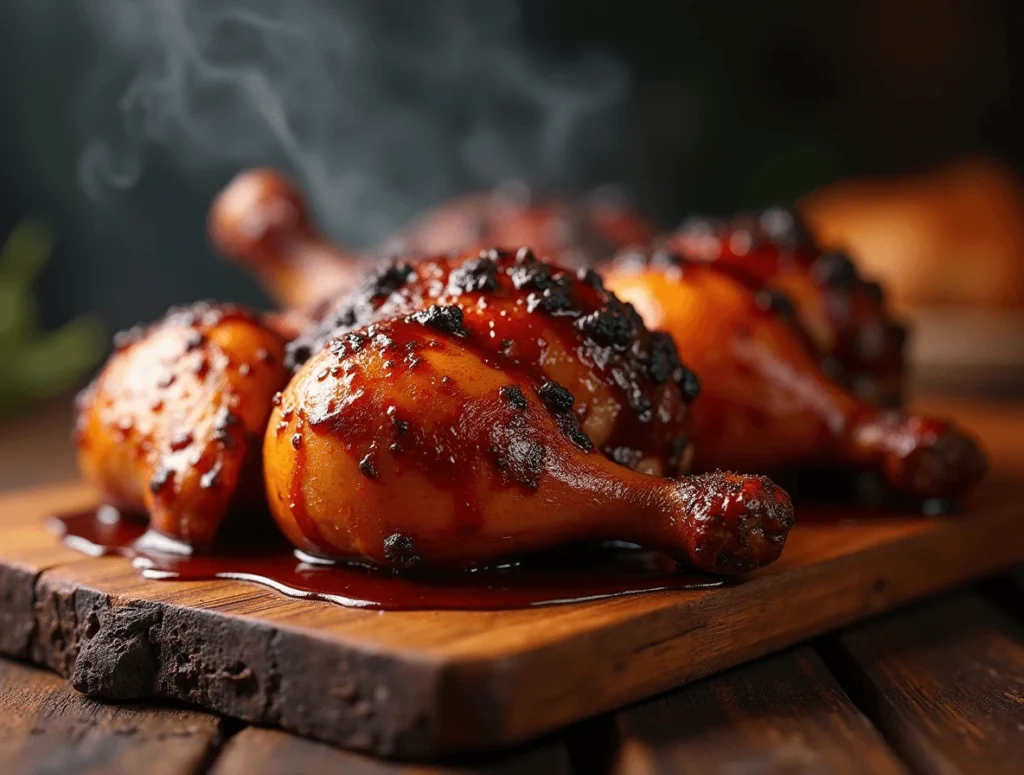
419 684
944 682
48 727
422 684
27 551
256 751
781 714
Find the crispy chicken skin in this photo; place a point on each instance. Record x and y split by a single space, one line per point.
843 316
629 389
414 443
172 424
766 404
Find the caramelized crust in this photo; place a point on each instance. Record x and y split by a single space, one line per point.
766 403
170 427
414 443
843 316
625 384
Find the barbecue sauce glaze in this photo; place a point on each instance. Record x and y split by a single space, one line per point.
574 574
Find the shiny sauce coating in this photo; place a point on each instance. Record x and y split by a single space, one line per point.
570 575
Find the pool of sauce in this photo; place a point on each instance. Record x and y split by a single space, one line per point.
570 575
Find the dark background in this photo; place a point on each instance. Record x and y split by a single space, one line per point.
713 106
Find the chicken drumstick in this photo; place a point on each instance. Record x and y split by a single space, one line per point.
766 403
171 425
262 221
455 412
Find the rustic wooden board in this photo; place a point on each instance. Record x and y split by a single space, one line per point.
944 683
778 715
48 727
424 684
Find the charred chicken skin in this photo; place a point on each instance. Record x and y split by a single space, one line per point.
457 411
172 425
630 391
262 221
572 232
767 404
842 316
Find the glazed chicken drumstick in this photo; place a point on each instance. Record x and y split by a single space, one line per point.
843 317
172 425
767 404
456 411
261 221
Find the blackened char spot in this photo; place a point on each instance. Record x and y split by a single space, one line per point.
591 278
635 396
835 270
663 362
513 394
569 424
352 342
388 280
556 397
552 289
689 385
446 319
614 326
525 462
478 274
400 552
367 466
519 458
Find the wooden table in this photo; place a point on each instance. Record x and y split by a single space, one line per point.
934 688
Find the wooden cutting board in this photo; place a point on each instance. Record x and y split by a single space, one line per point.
425 684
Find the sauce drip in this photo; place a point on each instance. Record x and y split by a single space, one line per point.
570 575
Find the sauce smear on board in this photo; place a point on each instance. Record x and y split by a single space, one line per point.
569 575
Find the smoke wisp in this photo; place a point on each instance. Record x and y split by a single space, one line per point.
378 108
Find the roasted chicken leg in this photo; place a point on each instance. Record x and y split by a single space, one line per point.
766 404
842 316
261 221
456 411
171 425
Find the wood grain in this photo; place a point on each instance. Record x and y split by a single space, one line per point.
781 714
944 682
424 684
47 727
269 752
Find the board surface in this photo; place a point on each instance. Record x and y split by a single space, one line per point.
423 684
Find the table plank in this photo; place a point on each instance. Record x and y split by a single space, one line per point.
47 727
782 714
256 751
944 682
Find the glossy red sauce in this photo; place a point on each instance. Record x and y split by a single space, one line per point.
565 576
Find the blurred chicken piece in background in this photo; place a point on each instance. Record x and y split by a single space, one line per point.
949 238
948 246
